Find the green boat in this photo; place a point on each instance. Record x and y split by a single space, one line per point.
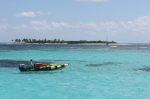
41 67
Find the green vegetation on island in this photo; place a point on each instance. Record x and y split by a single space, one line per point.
59 41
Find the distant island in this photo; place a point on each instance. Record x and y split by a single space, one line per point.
60 41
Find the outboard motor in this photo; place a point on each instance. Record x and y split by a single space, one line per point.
22 67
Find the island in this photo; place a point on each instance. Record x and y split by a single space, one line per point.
58 41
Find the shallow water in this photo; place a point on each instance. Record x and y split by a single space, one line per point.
95 72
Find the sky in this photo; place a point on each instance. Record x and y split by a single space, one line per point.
123 21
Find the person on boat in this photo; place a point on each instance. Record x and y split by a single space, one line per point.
31 64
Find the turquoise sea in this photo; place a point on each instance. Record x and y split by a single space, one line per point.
94 71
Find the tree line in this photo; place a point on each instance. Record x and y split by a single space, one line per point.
57 41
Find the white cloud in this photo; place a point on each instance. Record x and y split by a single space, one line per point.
19 28
44 25
43 13
138 25
60 25
91 0
42 28
31 14
35 22
25 14
90 25
40 25
3 25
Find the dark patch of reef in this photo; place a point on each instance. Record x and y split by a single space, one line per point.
145 68
103 64
15 63
12 63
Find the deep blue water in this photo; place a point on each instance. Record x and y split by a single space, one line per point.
94 71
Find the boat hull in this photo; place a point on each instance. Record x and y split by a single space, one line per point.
48 67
